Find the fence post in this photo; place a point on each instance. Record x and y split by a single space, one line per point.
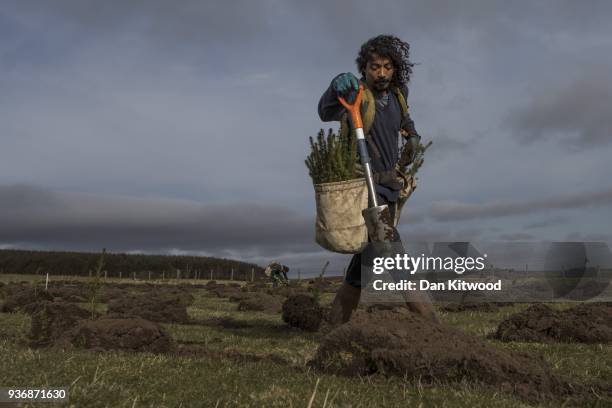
120 273
211 274
232 275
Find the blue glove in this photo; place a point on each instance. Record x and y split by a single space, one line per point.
346 83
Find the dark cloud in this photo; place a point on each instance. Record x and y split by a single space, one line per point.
516 236
454 211
547 222
589 237
86 221
186 20
426 233
443 144
577 114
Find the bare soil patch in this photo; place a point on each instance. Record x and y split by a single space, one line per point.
585 323
135 334
156 306
303 312
18 297
470 307
398 342
69 294
50 320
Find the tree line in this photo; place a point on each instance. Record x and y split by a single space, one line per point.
126 265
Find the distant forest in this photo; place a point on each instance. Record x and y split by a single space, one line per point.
126 265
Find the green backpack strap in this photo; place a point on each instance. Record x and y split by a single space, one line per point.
402 101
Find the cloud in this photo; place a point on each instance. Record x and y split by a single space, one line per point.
456 211
589 237
91 221
552 221
576 114
516 236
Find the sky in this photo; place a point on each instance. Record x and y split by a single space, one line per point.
182 127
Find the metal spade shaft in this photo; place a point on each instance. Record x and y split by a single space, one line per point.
377 217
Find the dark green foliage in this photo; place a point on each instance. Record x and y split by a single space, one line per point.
418 161
407 161
332 158
79 263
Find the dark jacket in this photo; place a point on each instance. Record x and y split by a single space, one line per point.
384 134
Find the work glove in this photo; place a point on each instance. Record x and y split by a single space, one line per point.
346 85
410 148
413 141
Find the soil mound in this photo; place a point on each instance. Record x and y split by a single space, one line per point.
18 297
261 302
257 286
184 296
225 291
134 334
398 342
50 320
288 291
585 323
109 293
470 307
303 312
240 296
153 306
74 295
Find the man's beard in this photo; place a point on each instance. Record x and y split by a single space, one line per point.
381 85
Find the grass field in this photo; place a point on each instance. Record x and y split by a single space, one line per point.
262 365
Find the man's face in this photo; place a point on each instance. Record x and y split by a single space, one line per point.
379 72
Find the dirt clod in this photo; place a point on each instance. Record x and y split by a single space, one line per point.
134 334
398 342
471 307
303 312
585 323
51 319
67 294
18 297
153 306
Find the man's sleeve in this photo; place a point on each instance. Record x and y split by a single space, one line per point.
407 122
330 108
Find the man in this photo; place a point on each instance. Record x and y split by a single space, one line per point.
277 273
385 69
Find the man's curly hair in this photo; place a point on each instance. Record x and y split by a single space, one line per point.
388 46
